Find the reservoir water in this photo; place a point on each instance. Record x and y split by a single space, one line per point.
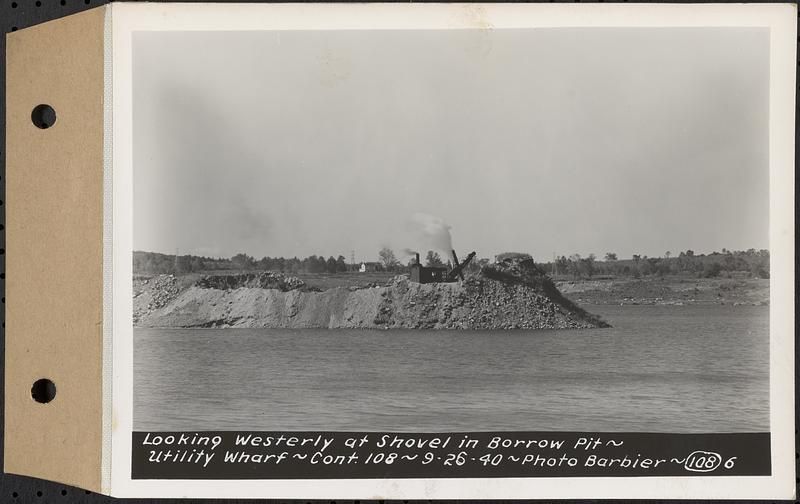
658 369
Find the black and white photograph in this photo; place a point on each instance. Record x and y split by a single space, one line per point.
550 230
452 230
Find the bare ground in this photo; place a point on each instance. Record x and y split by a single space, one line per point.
668 291
511 294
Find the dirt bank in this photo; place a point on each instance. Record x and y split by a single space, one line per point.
513 294
669 291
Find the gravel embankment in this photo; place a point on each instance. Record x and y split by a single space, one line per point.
512 294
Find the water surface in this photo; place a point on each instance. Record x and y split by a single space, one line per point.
659 369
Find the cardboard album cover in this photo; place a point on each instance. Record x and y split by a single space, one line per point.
385 251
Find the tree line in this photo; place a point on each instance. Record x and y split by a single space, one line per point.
754 263
155 263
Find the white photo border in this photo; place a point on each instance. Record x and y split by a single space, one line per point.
781 19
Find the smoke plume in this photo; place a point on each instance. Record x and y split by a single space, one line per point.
433 232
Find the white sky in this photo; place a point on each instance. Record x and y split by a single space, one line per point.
538 140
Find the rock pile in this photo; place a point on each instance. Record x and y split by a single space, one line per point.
479 303
151 294
261 280
165 288
515 268
509 294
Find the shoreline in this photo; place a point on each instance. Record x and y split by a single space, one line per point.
668 291
502 304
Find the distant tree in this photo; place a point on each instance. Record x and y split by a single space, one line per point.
711 270
197 264
661 266
667 254
387 259
760 267
587 266
731 263
636 258
316 264
611 256
341 263
562 265
265 263
574 265
243 261
690 253
649 265
433 259
313 264
184 264
331 265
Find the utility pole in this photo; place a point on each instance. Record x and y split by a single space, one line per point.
352 260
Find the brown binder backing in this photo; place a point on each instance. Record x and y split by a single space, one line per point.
54 290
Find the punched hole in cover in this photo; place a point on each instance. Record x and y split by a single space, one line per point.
43 391
43 116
